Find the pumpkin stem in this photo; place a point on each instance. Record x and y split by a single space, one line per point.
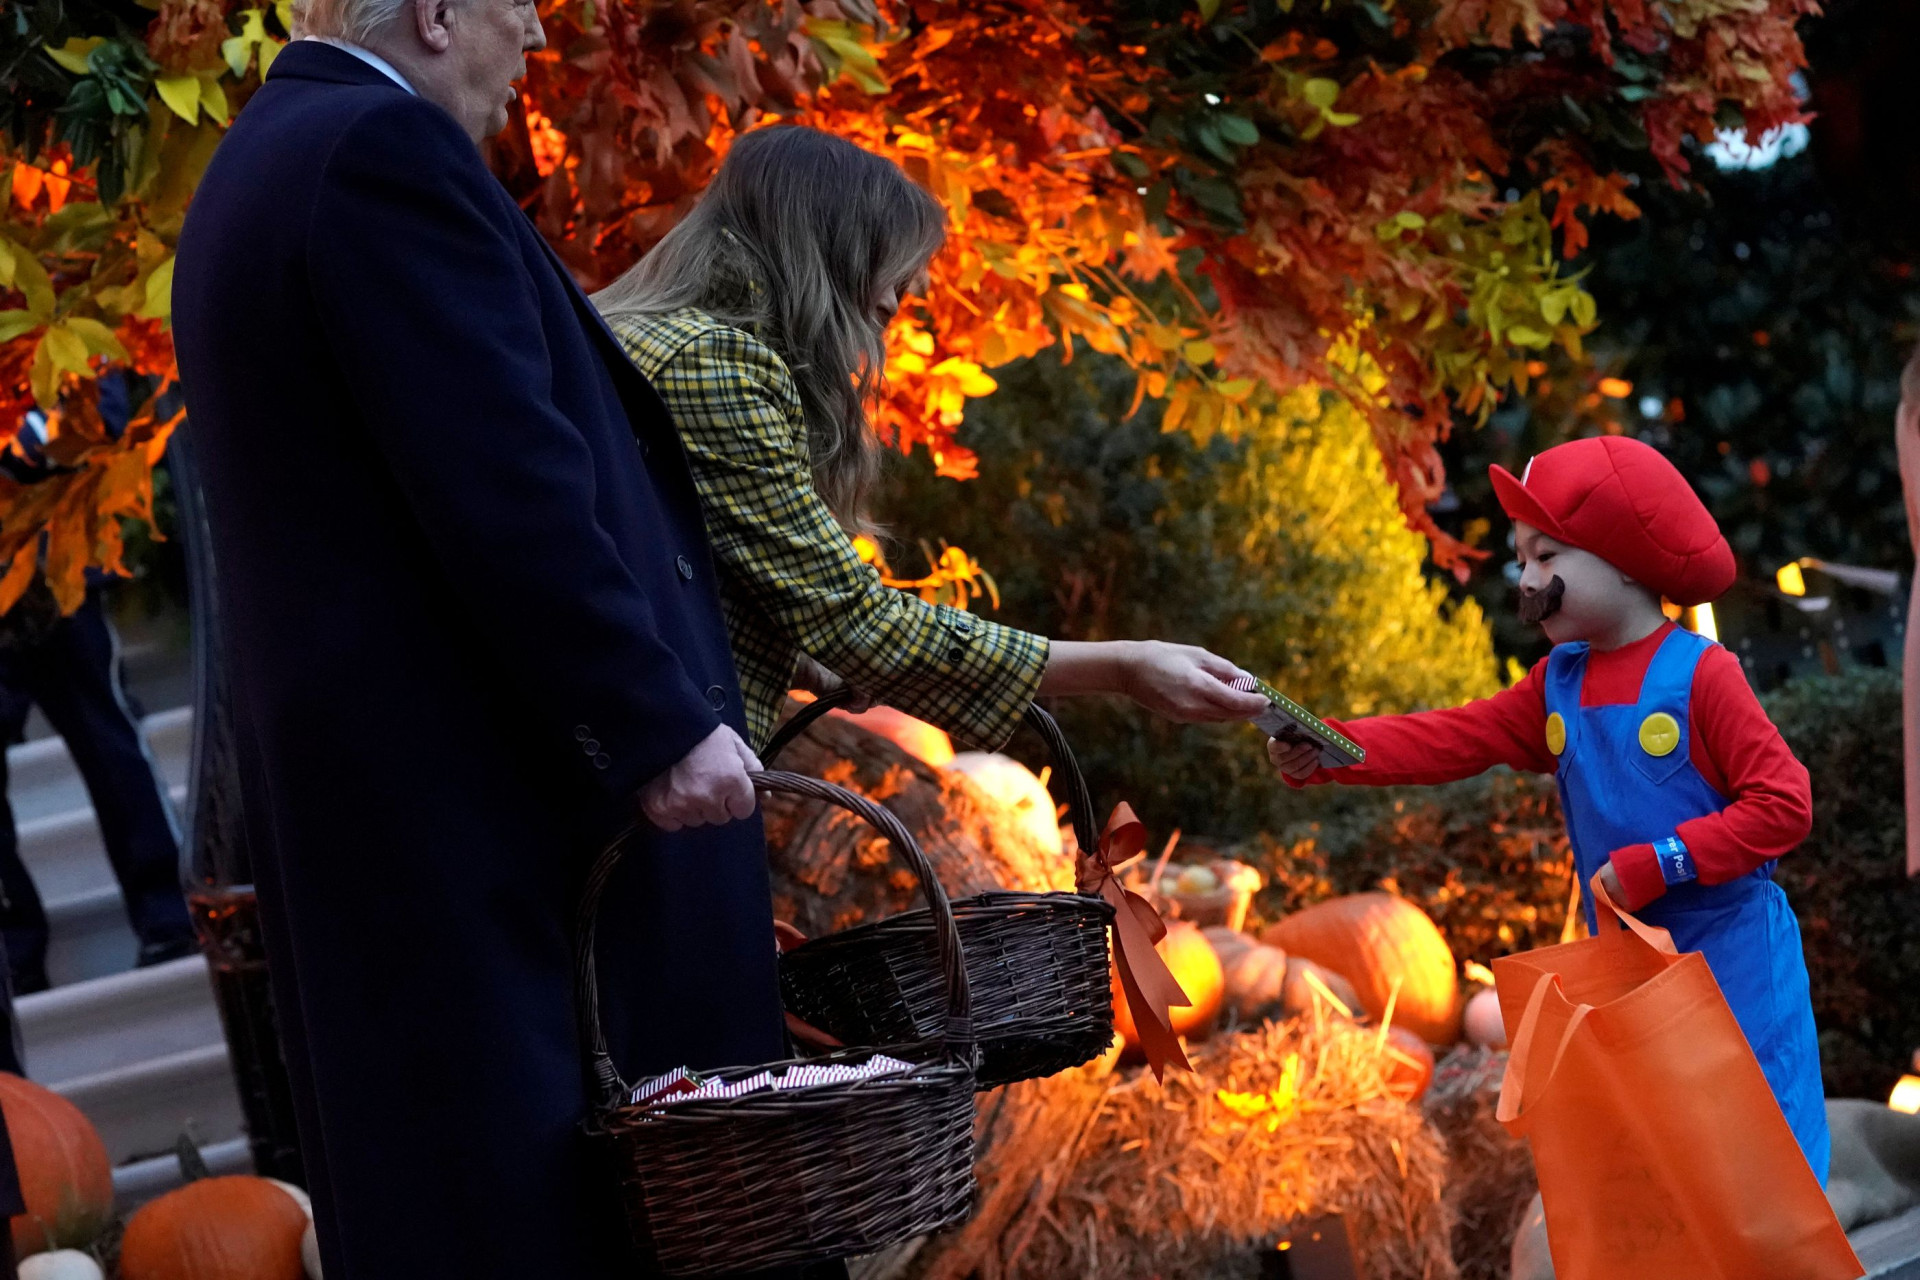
193 1165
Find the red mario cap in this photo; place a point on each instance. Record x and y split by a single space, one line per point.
1621 500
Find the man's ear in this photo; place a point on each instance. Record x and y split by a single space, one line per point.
433 23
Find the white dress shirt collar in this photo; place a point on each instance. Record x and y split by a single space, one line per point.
369 57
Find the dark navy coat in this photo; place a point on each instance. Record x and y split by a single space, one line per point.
470 609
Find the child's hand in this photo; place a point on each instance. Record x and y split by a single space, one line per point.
1294 760
1610 881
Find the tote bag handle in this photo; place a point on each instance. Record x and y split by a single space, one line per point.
1605 908
1515 1101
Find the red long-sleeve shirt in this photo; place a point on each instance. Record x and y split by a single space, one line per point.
1733 745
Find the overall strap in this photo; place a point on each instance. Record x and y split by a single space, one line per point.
1566 675
1668 685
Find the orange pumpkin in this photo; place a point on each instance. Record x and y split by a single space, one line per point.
235 1228
65 1175
915 737
1196 968
1372 939
1409 1064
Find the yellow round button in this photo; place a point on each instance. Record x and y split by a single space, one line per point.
1556 733
1659 734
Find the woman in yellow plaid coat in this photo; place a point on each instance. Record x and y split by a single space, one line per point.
761 319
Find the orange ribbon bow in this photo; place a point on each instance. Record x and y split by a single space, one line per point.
1150 987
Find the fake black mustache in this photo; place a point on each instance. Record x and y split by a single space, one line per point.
1537 606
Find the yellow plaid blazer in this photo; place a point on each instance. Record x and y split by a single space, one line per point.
791 581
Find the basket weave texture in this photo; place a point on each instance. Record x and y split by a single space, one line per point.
1037 963
771 1179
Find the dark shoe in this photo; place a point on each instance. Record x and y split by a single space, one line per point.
162 950
27 982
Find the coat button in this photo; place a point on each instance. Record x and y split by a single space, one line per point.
602 760
590 746
581 733
685 566
956 653
716 697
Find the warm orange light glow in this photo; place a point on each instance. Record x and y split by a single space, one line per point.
1699 620
1790 580
1616 388
1906 1095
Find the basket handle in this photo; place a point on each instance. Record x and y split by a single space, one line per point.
1065 764
803 718
957 1034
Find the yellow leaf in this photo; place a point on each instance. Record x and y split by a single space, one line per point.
182 96
283 10
213 99
1165 337
159 293
238 49
1320 92
65 348
100 340
1200 352
30 278
43 379
269 50
73 54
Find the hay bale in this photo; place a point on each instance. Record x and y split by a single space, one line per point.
832 871
1490 1173
1114 1174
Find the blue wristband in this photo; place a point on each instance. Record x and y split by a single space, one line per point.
1676 864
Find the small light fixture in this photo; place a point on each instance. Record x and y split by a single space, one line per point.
1790 580
1906 1095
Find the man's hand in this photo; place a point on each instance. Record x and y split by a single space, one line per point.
1185 684
1295 760
707 788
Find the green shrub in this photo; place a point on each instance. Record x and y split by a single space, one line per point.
1848 883
1284 550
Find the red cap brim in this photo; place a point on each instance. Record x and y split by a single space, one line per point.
1522 506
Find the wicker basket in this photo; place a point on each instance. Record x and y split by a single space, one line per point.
1037 963
773 1179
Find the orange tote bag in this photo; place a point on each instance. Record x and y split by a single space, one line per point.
1661 1152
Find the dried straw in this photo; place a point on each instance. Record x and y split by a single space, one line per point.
1196 1178
1491 1178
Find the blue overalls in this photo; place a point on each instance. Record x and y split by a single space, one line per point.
1626 777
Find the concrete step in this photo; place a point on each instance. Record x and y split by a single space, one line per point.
42 781
140 1052
142 1109
139 1181
87 919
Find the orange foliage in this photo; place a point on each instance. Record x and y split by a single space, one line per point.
1240 204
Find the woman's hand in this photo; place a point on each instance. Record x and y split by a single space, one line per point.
818 681
1185 684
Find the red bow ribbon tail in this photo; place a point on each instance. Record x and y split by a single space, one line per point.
1148 985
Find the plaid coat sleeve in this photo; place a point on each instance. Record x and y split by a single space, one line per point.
794 569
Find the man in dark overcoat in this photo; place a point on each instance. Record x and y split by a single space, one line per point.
471 616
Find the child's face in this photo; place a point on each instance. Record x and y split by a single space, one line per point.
1593 595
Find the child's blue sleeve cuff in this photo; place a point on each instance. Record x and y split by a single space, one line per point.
1676 864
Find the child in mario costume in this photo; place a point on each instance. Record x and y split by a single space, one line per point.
1676 787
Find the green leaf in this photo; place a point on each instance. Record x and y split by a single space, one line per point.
213 98
16 322
1238 130
100 340
159 304
1521 335
1209 9
1553 307
182 96
1210 139
1130 164
1321 92
1585 312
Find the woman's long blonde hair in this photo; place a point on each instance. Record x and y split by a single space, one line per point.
796 239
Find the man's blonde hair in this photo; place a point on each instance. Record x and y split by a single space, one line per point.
354 21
